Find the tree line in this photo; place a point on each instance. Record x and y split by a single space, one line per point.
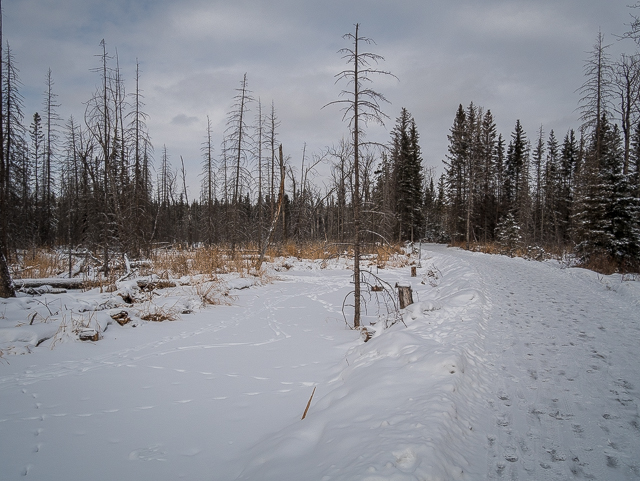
98 183
580 193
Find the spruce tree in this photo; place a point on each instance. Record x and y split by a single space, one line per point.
516 185
569 163
457 157
606 212
552 192
407 161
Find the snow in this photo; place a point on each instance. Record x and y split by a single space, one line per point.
501 369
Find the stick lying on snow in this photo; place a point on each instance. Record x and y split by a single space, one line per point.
309 403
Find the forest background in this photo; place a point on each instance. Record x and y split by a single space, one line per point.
95 181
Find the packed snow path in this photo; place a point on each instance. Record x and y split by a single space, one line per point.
506 369
563 357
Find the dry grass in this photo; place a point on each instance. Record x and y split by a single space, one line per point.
207 260
38 263
155 313
179 261
211 292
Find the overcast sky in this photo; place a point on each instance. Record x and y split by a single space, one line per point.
520 59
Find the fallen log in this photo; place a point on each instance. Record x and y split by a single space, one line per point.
150 285
55 282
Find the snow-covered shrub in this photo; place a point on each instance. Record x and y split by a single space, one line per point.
508 235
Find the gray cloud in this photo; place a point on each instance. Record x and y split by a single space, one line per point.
184 120
520 59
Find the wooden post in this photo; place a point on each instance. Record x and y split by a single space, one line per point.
405 295
414 272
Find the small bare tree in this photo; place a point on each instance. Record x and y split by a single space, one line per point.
361 105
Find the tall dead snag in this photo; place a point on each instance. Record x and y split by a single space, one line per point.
237 146
361 106
6 285
5 280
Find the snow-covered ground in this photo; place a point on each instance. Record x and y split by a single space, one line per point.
502 369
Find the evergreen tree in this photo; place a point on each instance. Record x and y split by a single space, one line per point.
407 164
486 178
539 188
455 174
569 164
606 213
516 185
622 209
509 235
552 192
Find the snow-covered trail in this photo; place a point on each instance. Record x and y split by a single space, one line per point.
184 399
505 369
562 360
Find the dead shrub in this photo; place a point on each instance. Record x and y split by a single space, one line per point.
208 260
212 292
153 312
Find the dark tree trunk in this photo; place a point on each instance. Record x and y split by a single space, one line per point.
6 284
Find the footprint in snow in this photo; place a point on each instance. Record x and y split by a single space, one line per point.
503 420
152 453
512 457
503 396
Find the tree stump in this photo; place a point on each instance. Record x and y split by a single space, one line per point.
88 334
414 271
405 294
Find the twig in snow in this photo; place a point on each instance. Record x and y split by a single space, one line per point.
309 403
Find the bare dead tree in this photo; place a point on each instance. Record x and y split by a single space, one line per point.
6 285
360 106
595 100
208 184
626 81
237 141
